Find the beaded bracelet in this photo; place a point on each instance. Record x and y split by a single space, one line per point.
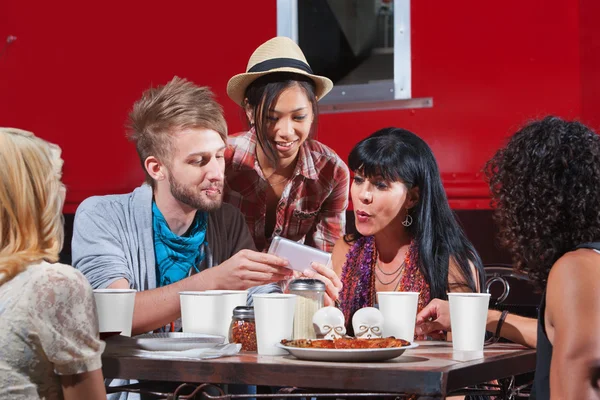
494 339
500 323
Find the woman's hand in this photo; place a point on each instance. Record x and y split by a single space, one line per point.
332 282
435 317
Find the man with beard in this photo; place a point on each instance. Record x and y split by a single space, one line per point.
173 233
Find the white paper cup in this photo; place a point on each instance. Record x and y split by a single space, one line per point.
115 309
274 314
468 317
399 311
231 299
202 312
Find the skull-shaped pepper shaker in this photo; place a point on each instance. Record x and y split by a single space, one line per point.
329 323
367 323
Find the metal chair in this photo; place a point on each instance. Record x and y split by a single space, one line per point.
513 291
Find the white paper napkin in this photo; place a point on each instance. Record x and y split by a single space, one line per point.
125 347
223 350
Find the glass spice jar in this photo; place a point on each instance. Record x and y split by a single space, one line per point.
310 294
243 328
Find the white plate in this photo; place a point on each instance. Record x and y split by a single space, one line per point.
347 355
176 341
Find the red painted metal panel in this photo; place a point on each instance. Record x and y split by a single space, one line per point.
75 70
489 68
590 62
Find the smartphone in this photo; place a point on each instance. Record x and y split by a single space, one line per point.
299 255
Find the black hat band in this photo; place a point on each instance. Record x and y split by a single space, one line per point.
275 63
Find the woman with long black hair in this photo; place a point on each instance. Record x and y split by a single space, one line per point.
408 238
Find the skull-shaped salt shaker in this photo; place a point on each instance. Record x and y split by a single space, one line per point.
367 323
329 323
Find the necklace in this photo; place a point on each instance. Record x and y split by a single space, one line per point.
278 182
288 169
390 273
396 274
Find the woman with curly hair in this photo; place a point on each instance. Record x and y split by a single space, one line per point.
49 347
545 187
408 238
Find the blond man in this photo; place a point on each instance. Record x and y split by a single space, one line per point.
173 233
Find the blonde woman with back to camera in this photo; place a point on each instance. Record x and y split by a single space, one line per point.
49 347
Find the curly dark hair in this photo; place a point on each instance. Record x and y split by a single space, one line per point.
545 187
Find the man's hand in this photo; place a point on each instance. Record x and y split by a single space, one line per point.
249 268
433 318
332 282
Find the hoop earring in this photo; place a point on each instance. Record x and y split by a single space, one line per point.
407 221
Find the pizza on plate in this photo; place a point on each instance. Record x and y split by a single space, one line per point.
347 343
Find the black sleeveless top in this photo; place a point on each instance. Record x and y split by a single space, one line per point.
541 382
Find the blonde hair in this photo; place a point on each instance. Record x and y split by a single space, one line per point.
179 104
31 222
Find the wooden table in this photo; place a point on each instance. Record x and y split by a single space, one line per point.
432 370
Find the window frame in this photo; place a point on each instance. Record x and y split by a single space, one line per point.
380 95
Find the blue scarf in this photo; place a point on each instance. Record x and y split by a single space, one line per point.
177 255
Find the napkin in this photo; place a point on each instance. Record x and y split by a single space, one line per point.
126 347
222 350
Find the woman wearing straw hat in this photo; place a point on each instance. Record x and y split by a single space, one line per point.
285 182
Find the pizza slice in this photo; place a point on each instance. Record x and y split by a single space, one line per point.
347 343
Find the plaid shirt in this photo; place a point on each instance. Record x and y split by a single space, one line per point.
312 208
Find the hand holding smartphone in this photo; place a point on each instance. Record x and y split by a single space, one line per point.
299 256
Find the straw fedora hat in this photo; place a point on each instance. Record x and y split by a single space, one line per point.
280 54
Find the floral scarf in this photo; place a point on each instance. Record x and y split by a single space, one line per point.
358 278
